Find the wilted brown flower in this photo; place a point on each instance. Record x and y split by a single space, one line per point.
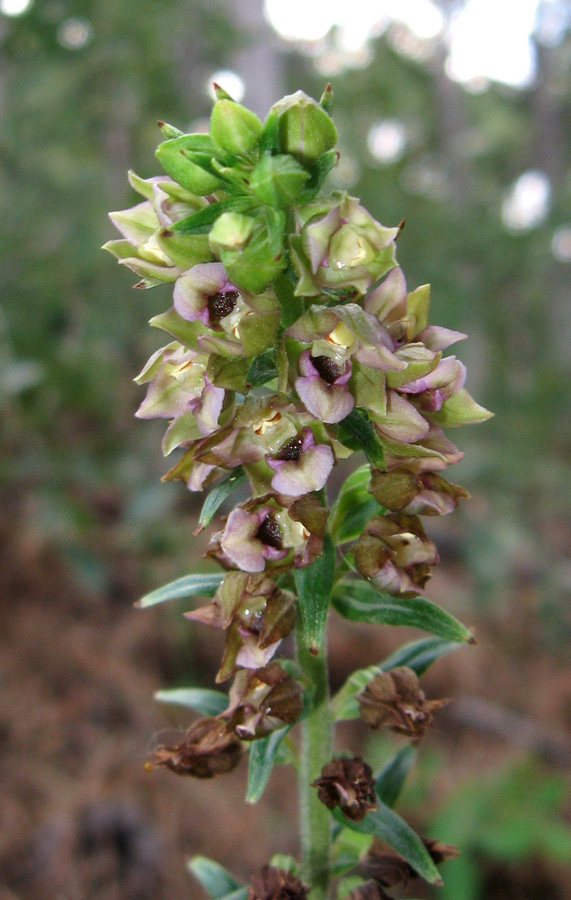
262 700
370 890
275 884
396 700
205 750
387 868
348 783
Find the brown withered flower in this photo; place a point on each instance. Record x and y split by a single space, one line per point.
394 699
263 700
206 749
387 868
347 782
370 890
276 884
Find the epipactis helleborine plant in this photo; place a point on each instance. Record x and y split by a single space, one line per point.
294 342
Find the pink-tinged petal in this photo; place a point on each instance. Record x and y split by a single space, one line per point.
448 377
237 448
198 476
208 408
192 290
392 580
251 656
402 421
239 541
330 403
380 357
316 236
430 503
388 295
436 338
308 473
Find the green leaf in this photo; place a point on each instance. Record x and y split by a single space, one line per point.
419 655
203 700
214 878
187 586
360 601
314 584
218 495
392 777
200 222
262 758
353 508
385 824
292 306
270 136
262 369
356 432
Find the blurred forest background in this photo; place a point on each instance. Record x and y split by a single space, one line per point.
477 162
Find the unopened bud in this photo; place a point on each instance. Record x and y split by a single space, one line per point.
173 157
305 129
231 231
234 128
278 180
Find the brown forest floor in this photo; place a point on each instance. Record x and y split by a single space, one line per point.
81 819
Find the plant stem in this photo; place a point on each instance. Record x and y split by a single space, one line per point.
316 733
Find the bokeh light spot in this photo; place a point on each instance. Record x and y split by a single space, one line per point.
229 81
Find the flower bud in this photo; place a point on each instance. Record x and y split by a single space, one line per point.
231 231
173 157
234 128
278 180
305 129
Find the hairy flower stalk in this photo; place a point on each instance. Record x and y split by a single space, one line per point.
293 342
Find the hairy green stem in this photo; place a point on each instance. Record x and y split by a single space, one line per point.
316 734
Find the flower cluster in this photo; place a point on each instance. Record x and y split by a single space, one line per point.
289 316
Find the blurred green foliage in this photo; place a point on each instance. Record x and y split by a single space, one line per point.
512 817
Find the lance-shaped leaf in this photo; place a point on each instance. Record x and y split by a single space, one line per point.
356 432
360 601
391 778
187 586
218 495
353 508
214 878
262 759
200 222
385 824
262 369
314 584
419 655
203 700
